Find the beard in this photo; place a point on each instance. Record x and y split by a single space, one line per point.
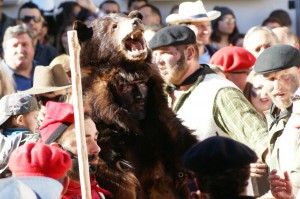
73 173
178 71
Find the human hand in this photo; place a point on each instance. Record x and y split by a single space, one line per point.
281 188
89 5
258 169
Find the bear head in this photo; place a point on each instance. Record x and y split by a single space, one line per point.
116 40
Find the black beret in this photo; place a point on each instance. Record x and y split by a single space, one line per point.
172 36
217 154
276 58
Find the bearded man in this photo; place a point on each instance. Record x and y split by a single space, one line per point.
58 129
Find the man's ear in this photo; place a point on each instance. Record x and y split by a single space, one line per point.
189 52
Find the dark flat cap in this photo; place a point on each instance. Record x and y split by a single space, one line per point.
172 36
276 58
217 154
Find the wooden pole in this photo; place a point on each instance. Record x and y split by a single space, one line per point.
74 50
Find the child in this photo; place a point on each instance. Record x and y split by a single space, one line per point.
18 125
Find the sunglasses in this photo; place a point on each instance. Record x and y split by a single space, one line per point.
228 20
295 98
59 98
27 19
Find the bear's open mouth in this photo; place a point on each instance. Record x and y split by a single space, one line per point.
135 43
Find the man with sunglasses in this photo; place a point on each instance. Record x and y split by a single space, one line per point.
50 83
31 15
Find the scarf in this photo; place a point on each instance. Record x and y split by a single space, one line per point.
74 191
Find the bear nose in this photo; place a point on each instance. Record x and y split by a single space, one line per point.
136 22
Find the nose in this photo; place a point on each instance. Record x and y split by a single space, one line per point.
136 22
19 48
94 148
159 60
139 92
277 85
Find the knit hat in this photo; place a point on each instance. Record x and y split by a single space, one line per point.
233 58
59 116
16 104
172 36
38 159
276 58
217 154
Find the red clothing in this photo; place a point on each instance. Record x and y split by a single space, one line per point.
74 191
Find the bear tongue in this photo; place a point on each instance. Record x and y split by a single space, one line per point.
133 45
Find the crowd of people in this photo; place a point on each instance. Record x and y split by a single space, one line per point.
237 93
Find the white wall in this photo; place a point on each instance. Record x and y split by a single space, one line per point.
248 12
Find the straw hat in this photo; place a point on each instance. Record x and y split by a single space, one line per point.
192 12
48 79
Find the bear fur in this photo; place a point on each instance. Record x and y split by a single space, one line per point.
142 158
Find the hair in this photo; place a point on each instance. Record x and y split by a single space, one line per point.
110 1
282 16
154 10
196 51
16 30
58 43
216 34
229 183
8 123
62 59
249 85
257 28
271 20
7 84
174 7
30 5
130 2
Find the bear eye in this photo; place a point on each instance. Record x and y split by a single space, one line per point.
114 26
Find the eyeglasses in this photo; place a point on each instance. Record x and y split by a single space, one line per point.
295 98
228 20
59 98
27 19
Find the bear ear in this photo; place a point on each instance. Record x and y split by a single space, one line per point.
83 32
135 14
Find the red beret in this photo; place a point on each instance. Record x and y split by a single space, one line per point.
233 58
57 119
38 159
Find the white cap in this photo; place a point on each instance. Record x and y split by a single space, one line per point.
12 188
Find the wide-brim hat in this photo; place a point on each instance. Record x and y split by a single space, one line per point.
48 79
192 12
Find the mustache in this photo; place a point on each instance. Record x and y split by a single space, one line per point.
92 157
21 55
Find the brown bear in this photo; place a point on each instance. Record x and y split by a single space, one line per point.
142 140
